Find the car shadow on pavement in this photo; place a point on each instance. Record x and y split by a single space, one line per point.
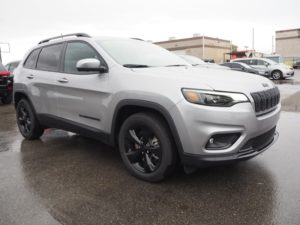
82 181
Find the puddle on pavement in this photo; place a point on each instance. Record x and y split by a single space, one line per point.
287 81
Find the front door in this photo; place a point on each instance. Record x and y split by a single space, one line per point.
82 95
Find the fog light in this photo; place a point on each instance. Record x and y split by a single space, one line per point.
222 141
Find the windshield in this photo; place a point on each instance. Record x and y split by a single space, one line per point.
192 60
2 68
137 54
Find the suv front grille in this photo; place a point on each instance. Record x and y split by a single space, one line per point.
265 100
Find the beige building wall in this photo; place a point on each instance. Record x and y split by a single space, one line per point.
288 43
214 48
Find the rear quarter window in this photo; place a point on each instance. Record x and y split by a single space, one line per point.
49 58
31 59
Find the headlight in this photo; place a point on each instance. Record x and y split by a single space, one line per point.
213 98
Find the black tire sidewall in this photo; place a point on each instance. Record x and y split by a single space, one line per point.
161 132
35 131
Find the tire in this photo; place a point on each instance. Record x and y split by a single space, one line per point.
277 75
7 100
138 134
27 121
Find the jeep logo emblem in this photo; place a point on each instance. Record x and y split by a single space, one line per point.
265 85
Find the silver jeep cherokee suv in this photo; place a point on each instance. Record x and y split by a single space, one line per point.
147 101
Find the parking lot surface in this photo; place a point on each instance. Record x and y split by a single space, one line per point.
68 179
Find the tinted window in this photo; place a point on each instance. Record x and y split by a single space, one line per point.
236 66
31 60
252 62
76 51
262 63
226 64
49 58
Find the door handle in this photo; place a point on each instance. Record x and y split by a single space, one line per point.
63 80
30 76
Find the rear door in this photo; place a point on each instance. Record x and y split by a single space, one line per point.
82 96
40 69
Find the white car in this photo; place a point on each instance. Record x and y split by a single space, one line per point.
200 63
276 70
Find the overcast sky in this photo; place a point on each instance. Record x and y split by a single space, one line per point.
24 23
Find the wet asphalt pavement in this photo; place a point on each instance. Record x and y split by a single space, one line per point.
68 179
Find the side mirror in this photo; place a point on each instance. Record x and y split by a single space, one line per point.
91 65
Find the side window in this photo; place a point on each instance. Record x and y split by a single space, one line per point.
49 58
13 66
252 62
262 63
236 66
76 51
31 60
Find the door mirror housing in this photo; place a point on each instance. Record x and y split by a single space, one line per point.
91 65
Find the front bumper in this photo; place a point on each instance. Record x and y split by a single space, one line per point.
288 73
196 124
203 161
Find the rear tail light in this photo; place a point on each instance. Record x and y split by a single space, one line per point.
5 73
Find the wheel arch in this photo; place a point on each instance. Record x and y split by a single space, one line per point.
126 108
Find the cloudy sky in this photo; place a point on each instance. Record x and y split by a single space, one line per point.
24 23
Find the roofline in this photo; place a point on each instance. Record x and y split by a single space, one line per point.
190 39
282 31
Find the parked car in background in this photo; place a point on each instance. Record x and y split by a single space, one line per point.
243 67
12 65
209 60
276 70
6 85
195 61
296 65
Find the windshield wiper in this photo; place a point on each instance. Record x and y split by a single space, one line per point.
176 65
135 66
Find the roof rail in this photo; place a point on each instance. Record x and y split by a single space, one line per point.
139 39
66 35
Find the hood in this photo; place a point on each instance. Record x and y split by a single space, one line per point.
207 78
213 65
285 66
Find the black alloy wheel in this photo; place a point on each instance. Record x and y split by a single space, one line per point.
142 148
146 147
27 122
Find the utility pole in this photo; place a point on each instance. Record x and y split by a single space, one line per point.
252 38
273 45
6 46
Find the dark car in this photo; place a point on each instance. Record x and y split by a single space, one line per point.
296 65
12 66
6 85
246 68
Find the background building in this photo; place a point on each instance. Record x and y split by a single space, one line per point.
288 44
200 46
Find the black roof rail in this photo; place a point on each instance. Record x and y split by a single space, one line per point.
66 35
139 39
